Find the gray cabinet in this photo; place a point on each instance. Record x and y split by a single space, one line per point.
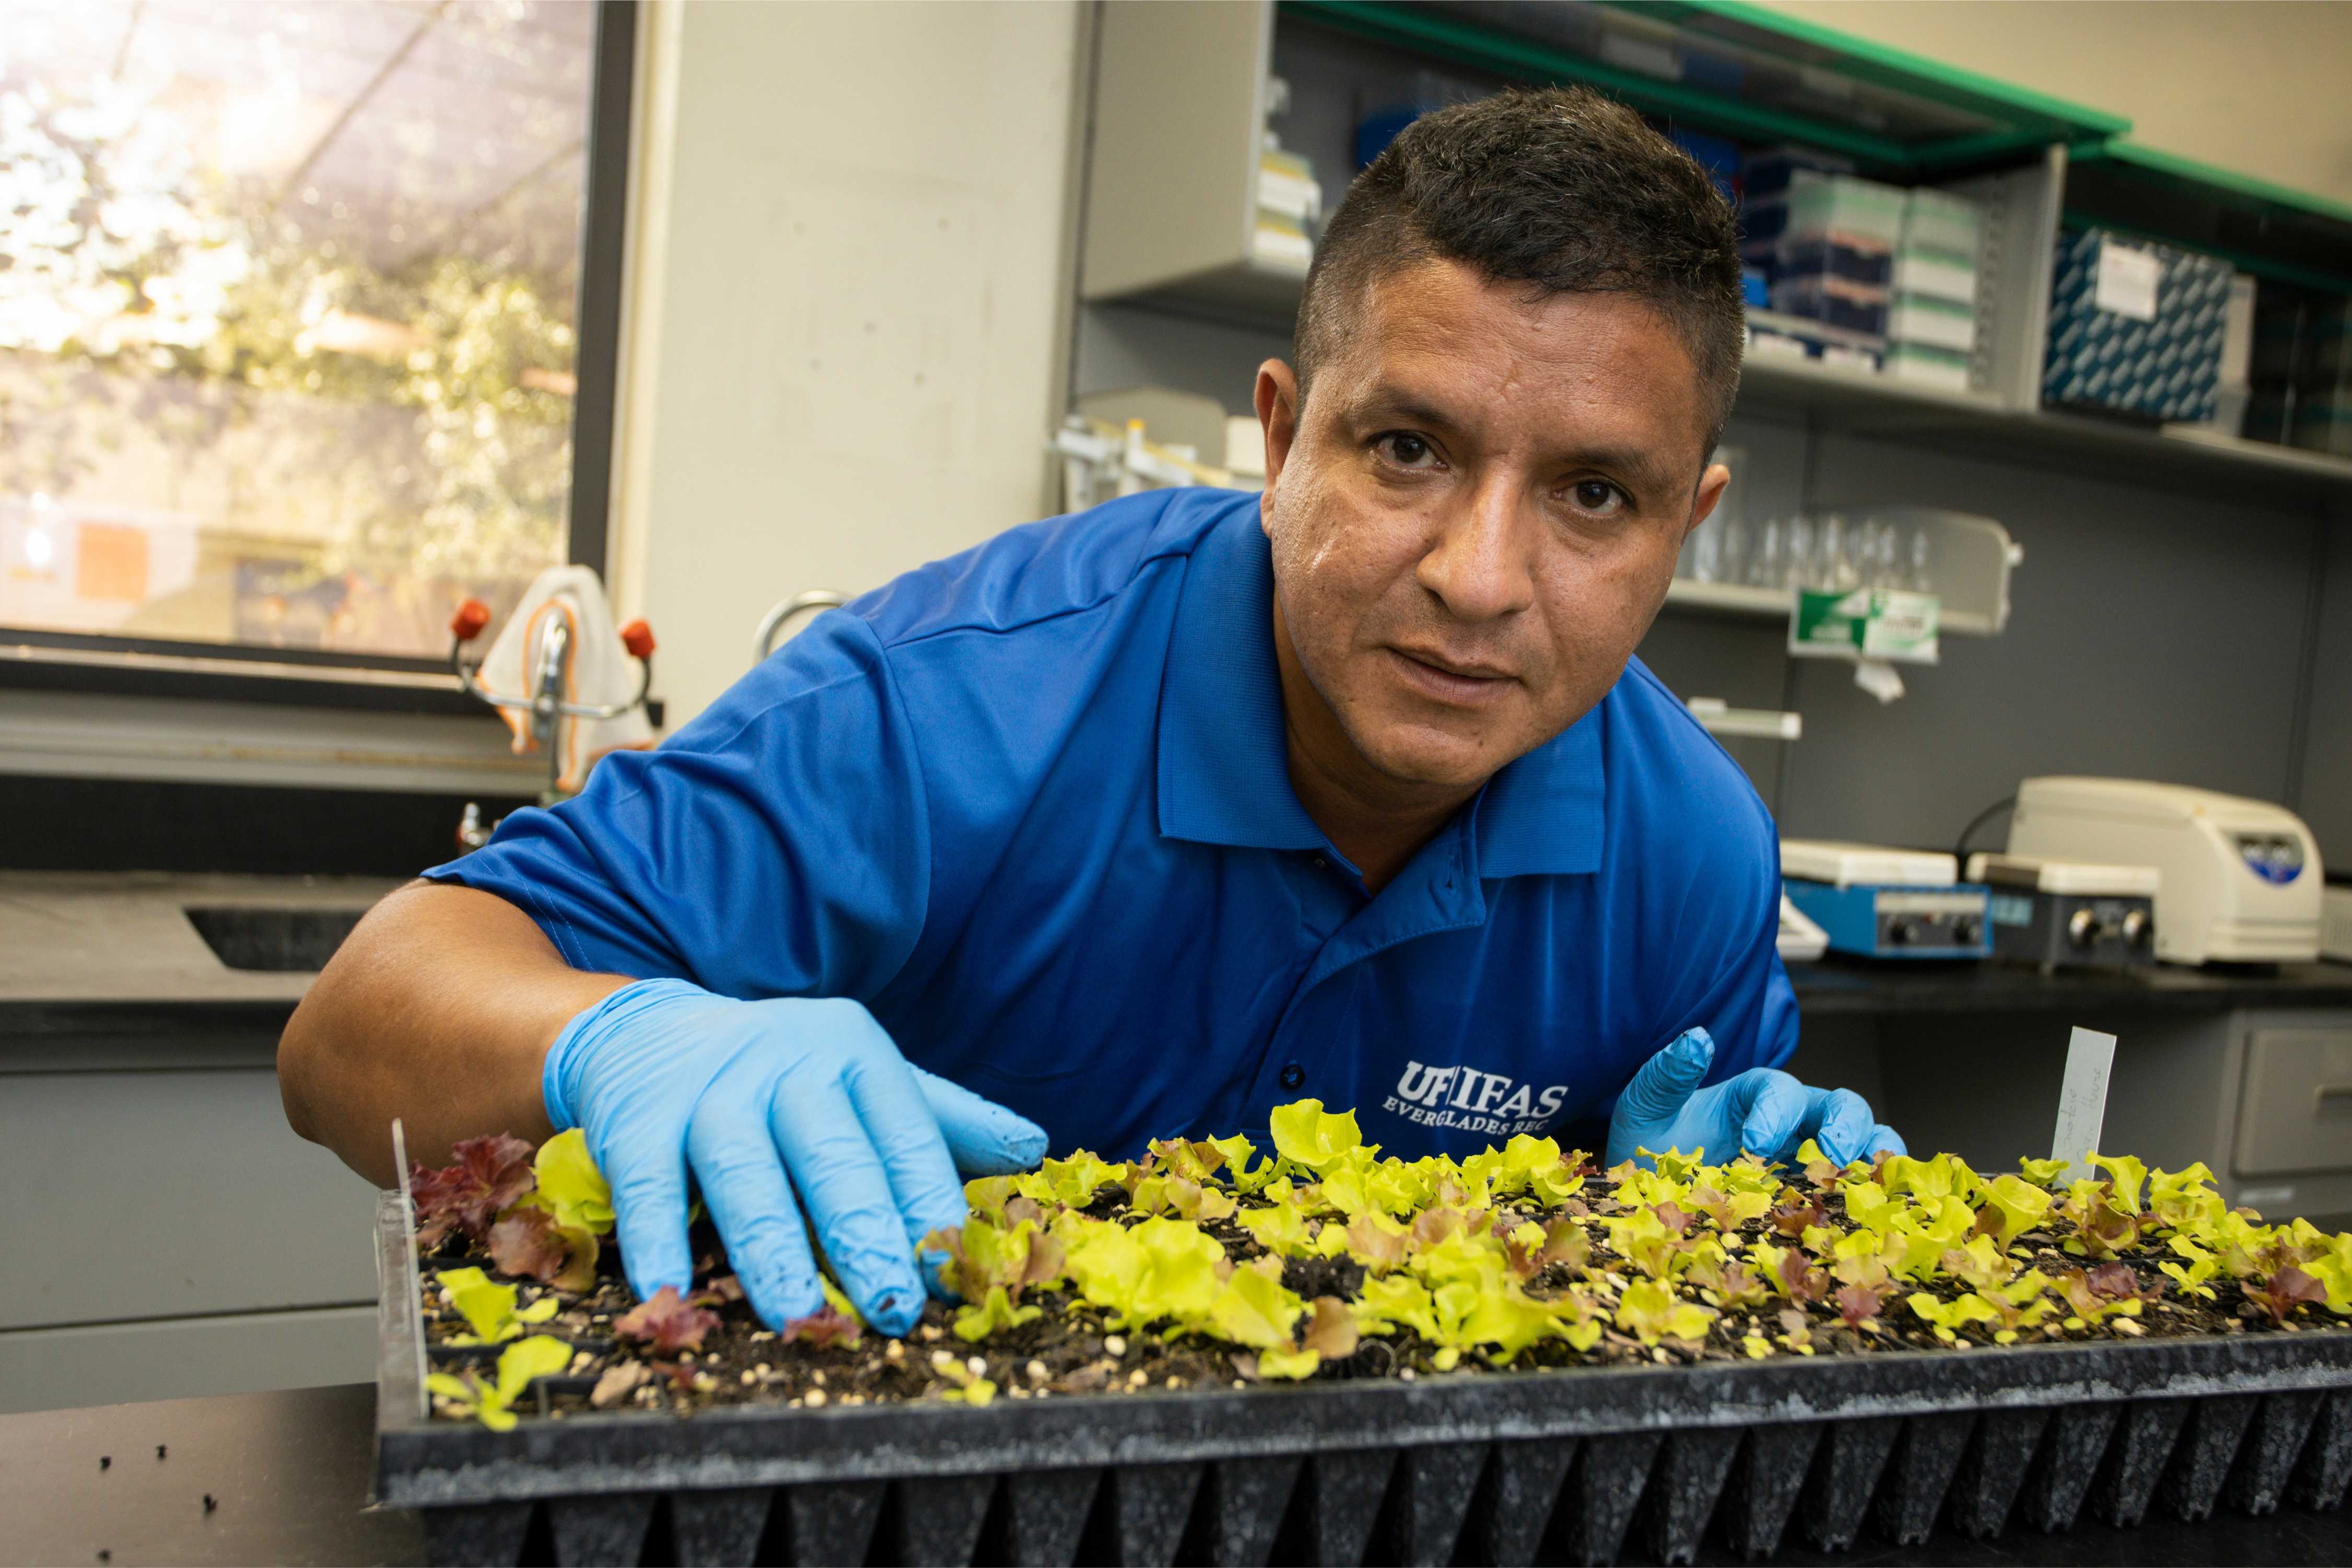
167 1234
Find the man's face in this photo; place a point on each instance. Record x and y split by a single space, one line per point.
1476 518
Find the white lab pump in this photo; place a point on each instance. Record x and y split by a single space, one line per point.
2239 880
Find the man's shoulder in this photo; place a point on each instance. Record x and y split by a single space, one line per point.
1028 579
1664 764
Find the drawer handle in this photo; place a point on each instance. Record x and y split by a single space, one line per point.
2339 1092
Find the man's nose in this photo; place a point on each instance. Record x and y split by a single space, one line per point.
1477 565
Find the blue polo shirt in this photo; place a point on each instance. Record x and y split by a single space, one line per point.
1030 804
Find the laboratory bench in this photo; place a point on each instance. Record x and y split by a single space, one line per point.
287 1476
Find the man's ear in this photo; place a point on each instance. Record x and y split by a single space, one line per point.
1277 414
1711 491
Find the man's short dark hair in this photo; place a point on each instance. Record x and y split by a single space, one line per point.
1559 188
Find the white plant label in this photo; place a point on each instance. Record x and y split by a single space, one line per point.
2083 1100
2126 281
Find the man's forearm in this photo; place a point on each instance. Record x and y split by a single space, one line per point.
439 1009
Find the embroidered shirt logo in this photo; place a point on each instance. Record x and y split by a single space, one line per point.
1473 1101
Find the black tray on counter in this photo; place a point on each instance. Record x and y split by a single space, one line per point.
1542 1466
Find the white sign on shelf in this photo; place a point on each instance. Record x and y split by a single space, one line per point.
2126 281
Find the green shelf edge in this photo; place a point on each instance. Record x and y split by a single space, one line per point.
1883 64
2023 121
2244 191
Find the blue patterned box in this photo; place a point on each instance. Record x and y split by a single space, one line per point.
2148 340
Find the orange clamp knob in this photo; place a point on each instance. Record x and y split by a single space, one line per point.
638 638
468 623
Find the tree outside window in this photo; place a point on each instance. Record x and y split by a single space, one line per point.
287 313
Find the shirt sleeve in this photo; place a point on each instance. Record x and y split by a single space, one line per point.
1731 981
777 846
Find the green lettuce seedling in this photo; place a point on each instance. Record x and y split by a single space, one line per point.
488 1307
570 1189
2015 1206
541 1355
1650 1312
1308 1136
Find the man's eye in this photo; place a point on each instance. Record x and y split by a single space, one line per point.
1597 496
1404 448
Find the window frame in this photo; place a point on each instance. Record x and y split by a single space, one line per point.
32 658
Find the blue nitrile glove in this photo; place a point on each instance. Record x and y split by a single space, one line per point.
1761 1111
766 1100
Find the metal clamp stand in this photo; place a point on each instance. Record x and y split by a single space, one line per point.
547 706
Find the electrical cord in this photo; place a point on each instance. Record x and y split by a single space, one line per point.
1960 850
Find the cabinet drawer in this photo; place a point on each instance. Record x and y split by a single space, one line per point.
158 1195
2297 1111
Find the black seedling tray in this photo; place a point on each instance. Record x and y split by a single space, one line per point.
1553 1465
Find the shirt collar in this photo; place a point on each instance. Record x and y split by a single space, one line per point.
1223 766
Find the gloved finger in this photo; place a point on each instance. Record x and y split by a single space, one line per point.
648 1183
984 1138
1884 1140
742 1179
1775 1107
834 1169
1844 1132
1666 1080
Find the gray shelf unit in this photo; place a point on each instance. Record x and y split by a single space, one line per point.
1180 103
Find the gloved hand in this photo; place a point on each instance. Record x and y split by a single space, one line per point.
768 1101
1762 1112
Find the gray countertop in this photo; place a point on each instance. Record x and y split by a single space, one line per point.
119 938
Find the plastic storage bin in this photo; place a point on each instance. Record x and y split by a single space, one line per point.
2136 327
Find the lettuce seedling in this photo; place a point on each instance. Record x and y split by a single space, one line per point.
966 1384
1160 1268
1308 1136
1528 1164
1255 1311
2100 1229
1650 1312
1791 1273
1279 1230
825 1328
667 1323
2286 1289
488 1307
1329 1335
1733 1287
1374 1240
492 1403
1980 1265
485 1176
2125 1176
2044 1172
2087 1304
2191 1278
1728 1212
1797 1216
1943 1176
1948 1318
570 1188
2012 1205
1645 1240
1857 1304
530 1242
2181 1199
1073 1183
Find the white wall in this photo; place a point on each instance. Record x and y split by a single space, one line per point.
843 356
2257 86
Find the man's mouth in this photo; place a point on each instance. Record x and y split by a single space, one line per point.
1450 680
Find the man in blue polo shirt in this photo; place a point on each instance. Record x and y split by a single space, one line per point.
1143 821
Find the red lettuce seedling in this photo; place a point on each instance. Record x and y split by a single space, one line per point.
825 1328
667 1323
1857 1304
465 1196
1793 1219
2286 1288
528 1242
